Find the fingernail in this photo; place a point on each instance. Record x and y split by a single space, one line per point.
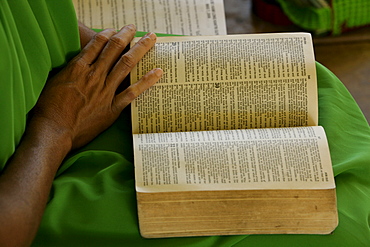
151 35
132 26
158 72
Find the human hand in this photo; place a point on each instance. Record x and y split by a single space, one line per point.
82 100
86 34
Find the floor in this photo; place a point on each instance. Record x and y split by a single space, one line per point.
347 56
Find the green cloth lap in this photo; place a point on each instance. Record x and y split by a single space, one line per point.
94 195
92 202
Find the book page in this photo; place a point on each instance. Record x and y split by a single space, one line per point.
186 17
228 82
277 158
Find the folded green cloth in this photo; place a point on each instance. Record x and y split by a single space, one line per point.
340 16
35 37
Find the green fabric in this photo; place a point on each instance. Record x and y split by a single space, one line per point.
35 36
342 15
92 202
93 198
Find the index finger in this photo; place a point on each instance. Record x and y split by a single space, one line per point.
134 90
127 62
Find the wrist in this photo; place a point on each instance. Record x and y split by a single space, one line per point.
28 176
48 138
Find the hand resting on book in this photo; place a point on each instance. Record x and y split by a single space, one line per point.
81 100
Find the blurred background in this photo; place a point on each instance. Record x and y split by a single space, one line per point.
346 54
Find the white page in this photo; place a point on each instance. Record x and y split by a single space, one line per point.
228 82
278 158
186 17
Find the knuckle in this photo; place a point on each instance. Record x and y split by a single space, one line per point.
145 42
76 66
128 60
91 74
118 41
132 93
79 68
101 37
79 63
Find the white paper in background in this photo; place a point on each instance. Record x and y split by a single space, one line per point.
185 17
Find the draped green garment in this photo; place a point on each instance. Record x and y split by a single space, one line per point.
92 202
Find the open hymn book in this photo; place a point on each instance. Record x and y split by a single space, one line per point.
227 141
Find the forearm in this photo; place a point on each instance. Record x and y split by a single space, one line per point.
26 182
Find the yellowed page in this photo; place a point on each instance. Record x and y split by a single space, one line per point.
186 17
228 82
277 158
